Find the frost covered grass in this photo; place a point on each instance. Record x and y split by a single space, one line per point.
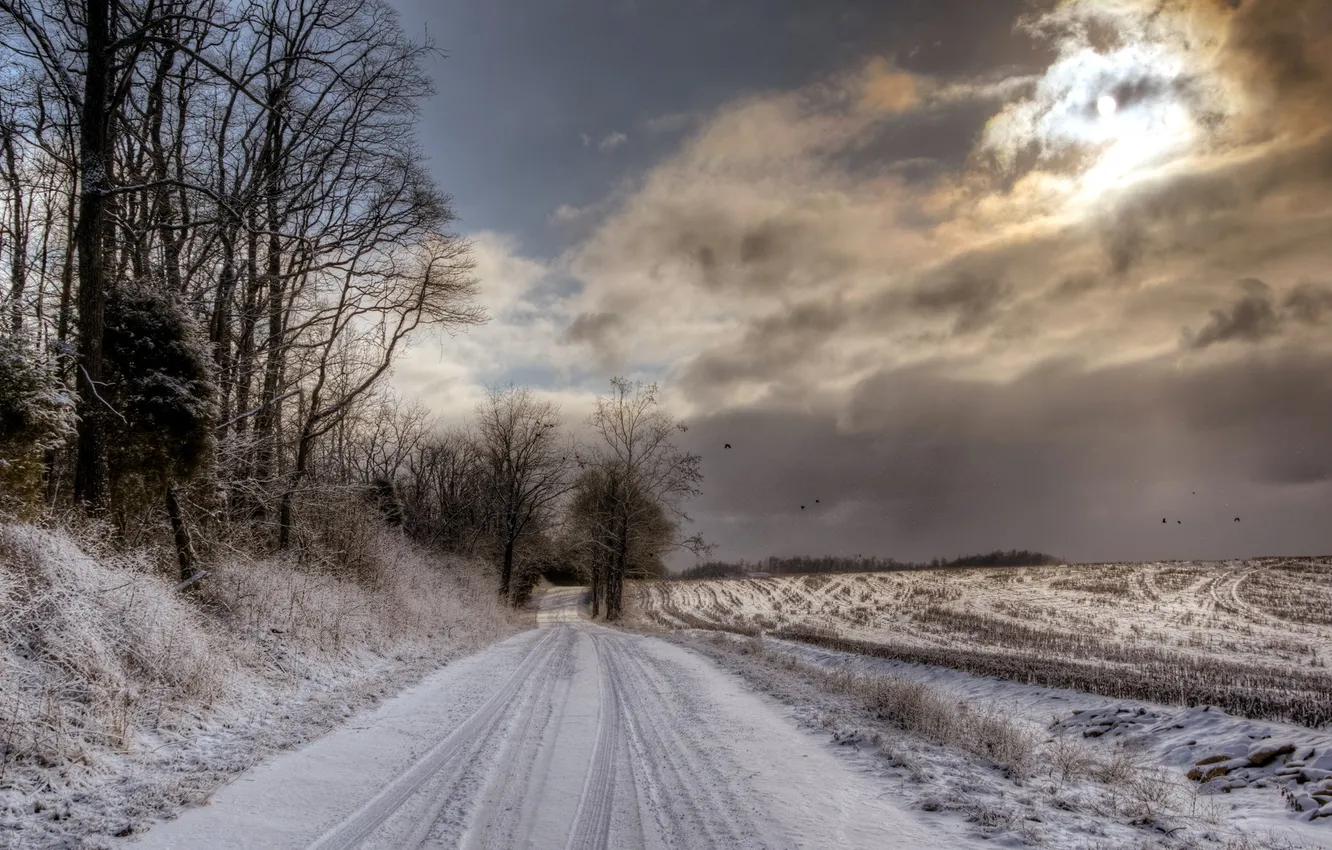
1251 637
918 708
121 698
911 706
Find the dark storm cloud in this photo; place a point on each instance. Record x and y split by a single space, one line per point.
972 298
1289 43
1250 319
523 80
930 465
1309 303
769 349
998 287
591 328
1014 277
1192 223
1125 242
729 252
1255 316
1078 284
1183 200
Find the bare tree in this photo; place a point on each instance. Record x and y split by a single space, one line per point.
255 164
630 503
445 491
527 471
378 312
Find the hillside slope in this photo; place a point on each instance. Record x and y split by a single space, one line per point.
122 699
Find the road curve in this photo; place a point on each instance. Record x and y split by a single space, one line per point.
567 737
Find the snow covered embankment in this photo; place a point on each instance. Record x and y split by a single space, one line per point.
122 700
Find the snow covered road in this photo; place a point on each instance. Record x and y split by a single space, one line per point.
568 736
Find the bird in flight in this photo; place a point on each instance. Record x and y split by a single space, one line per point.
816 501
802 507
727 446
1163 519
1236 519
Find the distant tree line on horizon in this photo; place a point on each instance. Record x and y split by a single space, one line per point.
801 564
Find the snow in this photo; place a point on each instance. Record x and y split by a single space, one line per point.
1251 636
1221 772
1135 797
571 735
121 701
574 735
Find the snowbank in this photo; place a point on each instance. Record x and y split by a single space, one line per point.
122 699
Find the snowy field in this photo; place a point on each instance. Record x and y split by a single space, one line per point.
1025 766
1251 637
1211 676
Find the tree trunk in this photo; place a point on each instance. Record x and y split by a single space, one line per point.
506 571
67 270
219 331
614 591
596 588
249 320
289 494
615 581
18 231
284 516
90 236
268 423
184 545
163 205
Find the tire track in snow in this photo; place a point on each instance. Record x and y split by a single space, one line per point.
499 819
592 821
466 740
680 784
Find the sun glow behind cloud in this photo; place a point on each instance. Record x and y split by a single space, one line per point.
1101 119
765 262
752 264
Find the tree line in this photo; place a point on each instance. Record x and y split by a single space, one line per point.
513 484
217 235
800 564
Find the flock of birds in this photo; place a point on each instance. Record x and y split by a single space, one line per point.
1181 522
1163 519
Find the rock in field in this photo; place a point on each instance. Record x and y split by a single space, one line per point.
1264 753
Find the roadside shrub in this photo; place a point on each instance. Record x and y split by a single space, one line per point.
383 494
160 384
36 415
932 714
102 661
91 645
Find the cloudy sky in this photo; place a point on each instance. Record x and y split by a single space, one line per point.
974 274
